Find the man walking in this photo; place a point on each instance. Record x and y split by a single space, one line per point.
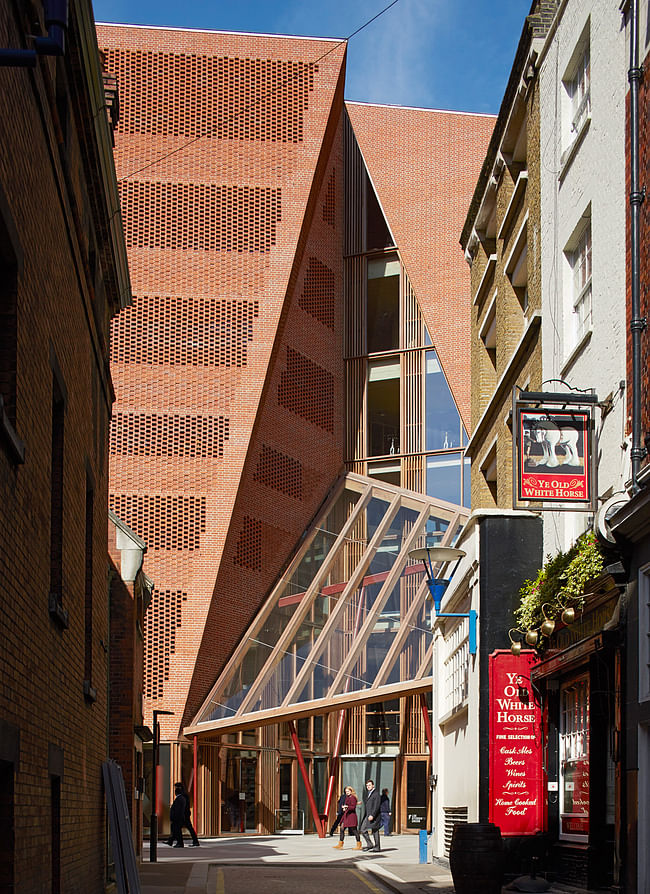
372 819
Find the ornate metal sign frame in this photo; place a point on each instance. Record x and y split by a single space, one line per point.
554 451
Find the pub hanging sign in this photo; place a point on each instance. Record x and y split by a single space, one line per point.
554 447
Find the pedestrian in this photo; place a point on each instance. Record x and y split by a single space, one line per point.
177 817
384 810
339 813
372 819
350 820
187 819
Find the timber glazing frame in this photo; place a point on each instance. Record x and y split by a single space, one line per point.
378 525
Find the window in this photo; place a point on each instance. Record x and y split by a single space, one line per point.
444 477
383 407
382 723
578 88
579 258
574 760
576 97
442 418
55 833
382 304
57 612
377 234
644 634
10 268
89 692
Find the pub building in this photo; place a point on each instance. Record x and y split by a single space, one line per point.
577 682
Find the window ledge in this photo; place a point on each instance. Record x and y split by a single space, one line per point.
576 352
90 693
15 446
456 713
58 614
570 152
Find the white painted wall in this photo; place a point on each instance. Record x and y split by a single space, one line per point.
591 177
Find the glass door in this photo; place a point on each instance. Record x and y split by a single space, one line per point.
416 795
574 760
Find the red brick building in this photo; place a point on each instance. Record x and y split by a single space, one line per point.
63 276
257 210
130 597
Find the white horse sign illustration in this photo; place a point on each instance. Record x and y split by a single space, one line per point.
554 455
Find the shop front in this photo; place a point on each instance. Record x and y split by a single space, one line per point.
579 683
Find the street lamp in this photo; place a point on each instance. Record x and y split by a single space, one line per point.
437 586
153 828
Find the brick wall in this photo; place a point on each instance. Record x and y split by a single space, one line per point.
227 347
50 196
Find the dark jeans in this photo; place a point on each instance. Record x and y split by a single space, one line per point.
176 834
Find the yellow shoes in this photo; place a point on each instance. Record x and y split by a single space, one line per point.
358 847
338 846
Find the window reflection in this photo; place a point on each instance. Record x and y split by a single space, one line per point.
442 418
383 304
383 407
444 477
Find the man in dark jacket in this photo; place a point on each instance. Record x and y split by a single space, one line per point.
187 819
372 819
177 817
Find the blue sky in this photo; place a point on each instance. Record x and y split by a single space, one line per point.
442 54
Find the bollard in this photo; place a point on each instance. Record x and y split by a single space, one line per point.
424 844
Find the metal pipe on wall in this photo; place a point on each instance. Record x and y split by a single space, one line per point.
637 323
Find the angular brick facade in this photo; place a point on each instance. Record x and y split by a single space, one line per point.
217 354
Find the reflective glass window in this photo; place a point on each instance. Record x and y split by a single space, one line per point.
383 407
442 418
444 477
376 230
382 303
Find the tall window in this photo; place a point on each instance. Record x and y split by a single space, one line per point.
383 406
9 269
579 89
580 261
56 492
382 304
88 627
55 832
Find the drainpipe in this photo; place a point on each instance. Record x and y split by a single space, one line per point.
56 22
637 323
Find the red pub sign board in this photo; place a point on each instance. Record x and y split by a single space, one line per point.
516 776
554 456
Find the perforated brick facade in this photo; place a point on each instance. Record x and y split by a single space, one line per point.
227 430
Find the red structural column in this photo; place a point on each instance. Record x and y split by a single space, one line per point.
320 826
335 761
194 786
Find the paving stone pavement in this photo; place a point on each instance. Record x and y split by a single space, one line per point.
396 868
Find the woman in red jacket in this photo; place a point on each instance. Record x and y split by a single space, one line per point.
349 821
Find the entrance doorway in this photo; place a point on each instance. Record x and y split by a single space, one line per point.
239 812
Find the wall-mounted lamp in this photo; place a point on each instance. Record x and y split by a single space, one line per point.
437 586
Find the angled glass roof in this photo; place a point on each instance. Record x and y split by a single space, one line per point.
349 622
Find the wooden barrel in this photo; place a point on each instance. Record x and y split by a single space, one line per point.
476 858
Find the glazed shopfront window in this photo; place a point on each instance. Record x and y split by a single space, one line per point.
574 760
